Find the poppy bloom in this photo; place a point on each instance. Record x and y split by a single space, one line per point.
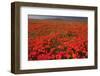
47 42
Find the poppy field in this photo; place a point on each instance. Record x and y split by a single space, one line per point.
55 38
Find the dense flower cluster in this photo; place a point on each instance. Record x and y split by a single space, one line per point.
59 45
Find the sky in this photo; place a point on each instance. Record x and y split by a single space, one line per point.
57 17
